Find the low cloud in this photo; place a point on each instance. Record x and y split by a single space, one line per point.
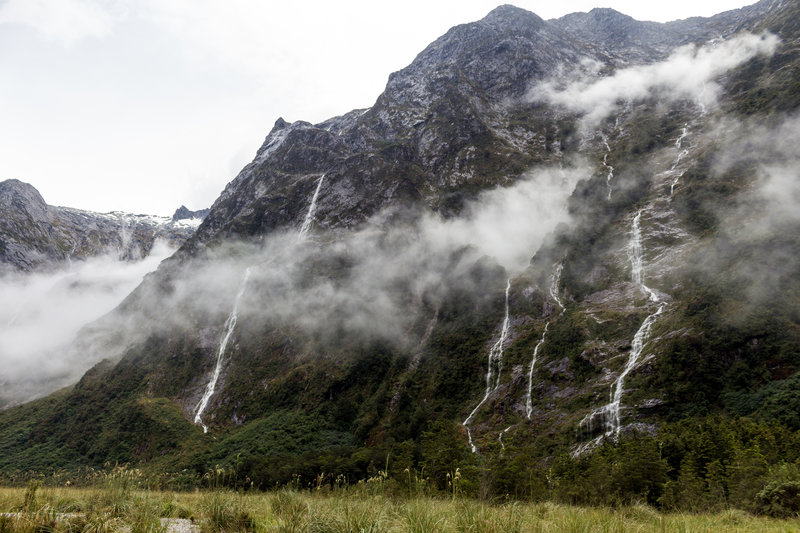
688 74
754 250
44 312
372 283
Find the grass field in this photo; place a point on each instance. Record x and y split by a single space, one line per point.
117 507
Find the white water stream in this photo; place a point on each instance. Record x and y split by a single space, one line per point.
683 153
612 410
306 227
124 238
554 295
610 413
500 437
610 175
529 395
230 325
495 367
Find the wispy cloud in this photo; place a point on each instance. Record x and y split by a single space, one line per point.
368 283
688 74
43 312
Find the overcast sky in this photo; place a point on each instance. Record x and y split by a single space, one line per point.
144 105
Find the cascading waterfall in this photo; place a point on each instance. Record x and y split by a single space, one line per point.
610 413
306 227
230 324
612 410
634 250
554 295
555 283
495 361
683 153
529 395
610 175
684 133
500 437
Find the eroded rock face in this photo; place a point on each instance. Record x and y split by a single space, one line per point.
34 235
449 123
452 124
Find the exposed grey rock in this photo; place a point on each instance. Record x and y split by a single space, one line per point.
34 235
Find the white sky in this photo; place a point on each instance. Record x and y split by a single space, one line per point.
144 105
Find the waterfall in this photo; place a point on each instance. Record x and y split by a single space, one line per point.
306 227
124 238
500 437
684 132
610 413
610 175
683 153
634 250
529 395
69 256
559 268
230 324
613 422
612 410
554 295
495 360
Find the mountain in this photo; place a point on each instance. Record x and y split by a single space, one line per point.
34 235
557 255
183 213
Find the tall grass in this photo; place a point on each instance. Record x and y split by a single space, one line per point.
117 504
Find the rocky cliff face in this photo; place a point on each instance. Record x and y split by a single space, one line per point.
34 235
332 276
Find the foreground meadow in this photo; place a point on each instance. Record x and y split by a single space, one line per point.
119 508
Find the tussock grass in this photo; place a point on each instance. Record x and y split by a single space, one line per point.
347 510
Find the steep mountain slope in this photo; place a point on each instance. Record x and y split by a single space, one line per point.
365 287
34 235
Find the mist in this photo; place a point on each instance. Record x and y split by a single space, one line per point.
754 246
378 281
43 313
687 74
373 283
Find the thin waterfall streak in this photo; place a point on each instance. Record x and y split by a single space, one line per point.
609 168
230 325
529 396
683 153
634 250
555 283
556 279
500 438
472 447
495 358
306 227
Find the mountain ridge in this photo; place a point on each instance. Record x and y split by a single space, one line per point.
340 281
35 235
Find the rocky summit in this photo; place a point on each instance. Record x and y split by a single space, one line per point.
35 236
556 257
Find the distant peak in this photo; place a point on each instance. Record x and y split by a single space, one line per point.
280 124
606 13
508 13
183 213
21 188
